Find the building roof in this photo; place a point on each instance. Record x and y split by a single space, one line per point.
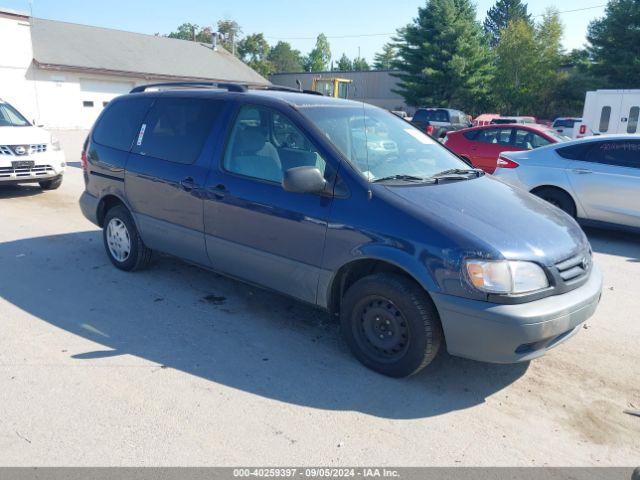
73 46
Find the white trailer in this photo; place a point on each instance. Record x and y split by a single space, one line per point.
609 112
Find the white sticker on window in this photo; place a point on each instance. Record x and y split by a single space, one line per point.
141 134
421 137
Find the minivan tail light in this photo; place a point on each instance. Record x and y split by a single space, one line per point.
504 162
429 130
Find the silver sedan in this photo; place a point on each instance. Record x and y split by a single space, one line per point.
595 179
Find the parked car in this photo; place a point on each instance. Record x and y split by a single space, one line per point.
610 112
482 145
484 119
511 120
410 249
596 179
28 154
437 122
566 126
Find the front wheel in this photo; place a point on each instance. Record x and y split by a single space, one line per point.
122 241
390 325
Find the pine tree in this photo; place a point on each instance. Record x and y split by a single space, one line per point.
443 57
345 64
360 65
384 59
615 44
501 14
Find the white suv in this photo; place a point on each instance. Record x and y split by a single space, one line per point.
28 154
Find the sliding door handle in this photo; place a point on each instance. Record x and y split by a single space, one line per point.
188 184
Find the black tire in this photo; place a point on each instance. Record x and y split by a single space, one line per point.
139 255
557 198
52 184
383 303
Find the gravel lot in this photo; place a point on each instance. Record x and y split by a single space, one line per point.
178 366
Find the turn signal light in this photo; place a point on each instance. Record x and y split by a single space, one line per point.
504 162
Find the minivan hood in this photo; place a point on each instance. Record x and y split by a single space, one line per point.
23 135
498 218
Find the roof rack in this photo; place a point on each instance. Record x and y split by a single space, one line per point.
281 88
232 87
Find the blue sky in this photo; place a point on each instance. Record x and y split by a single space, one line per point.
292 20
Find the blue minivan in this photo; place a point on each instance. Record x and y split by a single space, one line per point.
344 206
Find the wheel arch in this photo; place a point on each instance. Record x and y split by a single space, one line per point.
550 186
356 269
107 202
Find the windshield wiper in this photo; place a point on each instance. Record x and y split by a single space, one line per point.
459 171
406 178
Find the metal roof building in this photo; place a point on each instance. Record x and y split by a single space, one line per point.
62 74
373 86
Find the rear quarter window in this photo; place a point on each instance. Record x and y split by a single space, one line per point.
575 152
120 122
176 128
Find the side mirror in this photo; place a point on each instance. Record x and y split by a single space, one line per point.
304 180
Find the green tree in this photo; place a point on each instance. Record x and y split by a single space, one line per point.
191 31
319 58
284 58
528 68
443 57
229 33
615 44
501 14
384 60
345 64
360 65
515 75
254 51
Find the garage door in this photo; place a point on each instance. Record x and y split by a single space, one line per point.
95 94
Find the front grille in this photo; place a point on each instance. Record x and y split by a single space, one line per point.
8 172
27 149
574 267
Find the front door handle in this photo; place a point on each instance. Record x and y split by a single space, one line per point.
188 184
581 171
218 191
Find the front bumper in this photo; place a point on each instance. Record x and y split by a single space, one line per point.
498 333
46 166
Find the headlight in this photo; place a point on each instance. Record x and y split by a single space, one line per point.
505 276
55 144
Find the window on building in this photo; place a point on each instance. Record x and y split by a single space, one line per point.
120 122
87 103
176 128
605 116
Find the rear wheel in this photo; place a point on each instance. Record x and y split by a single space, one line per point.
52 184
122 241
557 198
390 324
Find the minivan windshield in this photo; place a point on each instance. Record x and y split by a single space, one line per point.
10 117
381 145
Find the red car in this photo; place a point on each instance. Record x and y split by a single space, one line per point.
482 145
